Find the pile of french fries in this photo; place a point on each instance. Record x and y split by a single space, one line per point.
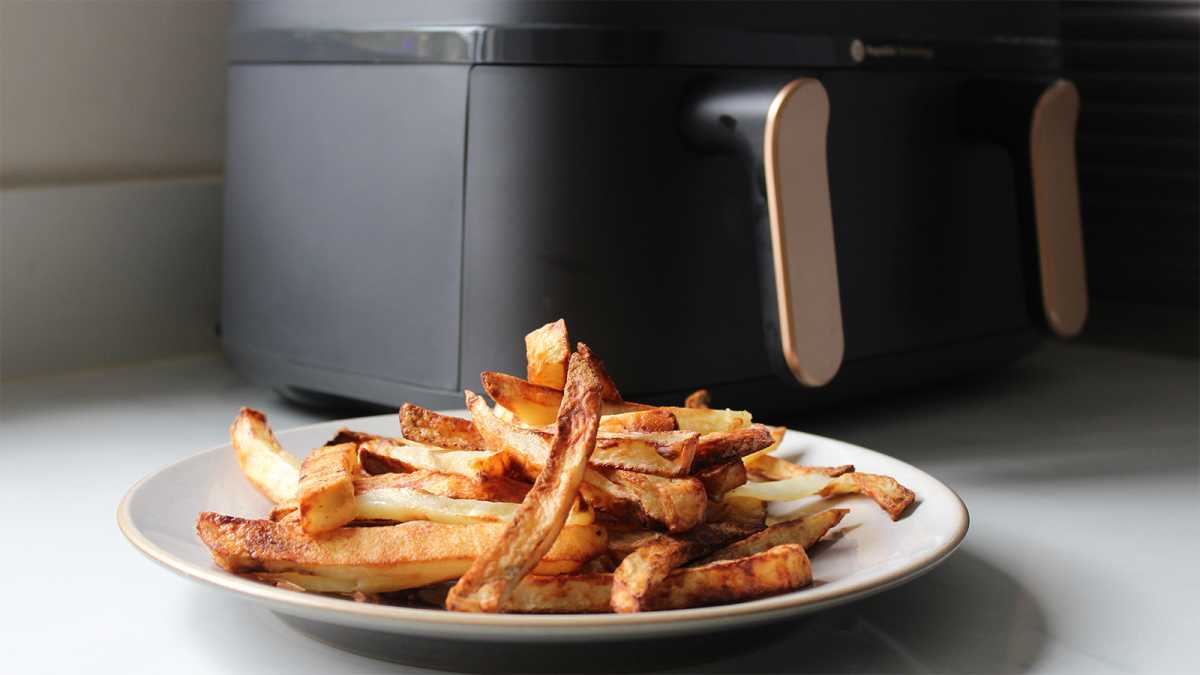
560 498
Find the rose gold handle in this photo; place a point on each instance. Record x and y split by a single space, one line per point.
1056 208
801 225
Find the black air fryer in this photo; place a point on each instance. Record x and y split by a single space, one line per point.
785 203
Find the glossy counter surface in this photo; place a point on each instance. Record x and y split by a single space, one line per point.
1080 466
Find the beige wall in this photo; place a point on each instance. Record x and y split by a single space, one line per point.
93 90
111 146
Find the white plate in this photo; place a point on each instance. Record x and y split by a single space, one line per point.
872 554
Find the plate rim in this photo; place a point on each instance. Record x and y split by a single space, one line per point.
440 621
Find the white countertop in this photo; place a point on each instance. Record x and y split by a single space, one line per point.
1080 466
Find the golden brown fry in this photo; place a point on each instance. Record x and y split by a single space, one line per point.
326 493
803 532
722 478
654 419
890 495
778 434
762 466
426 427
535 405
722 446
281 511
345 435
676 503
377 559
393 456
644 569
483 487
781 569
270 469
777 570
698 399
547 351
608 388
487 584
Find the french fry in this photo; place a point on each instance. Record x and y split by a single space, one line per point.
345 435
455 486
326 492
721 478
398 457
721 446
270 469
803 532
404 504
665 453
377 559
427 427
490 581
778 570
547 351
535 405
710 420
653 419
645 568
769 467
797 487
778 434
742 510
698 399
890 495
676 503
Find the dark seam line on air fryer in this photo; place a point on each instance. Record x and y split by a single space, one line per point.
462 231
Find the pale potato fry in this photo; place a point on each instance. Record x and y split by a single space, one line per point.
536 405
890 495
803 532
781 569
378 559
768 467
797 487
270 469
710 420
547 351
427 427
721 478
410 457
404 504
326 492
721 446
489 582
486 488
698 399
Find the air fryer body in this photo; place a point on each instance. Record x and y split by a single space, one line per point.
394 228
